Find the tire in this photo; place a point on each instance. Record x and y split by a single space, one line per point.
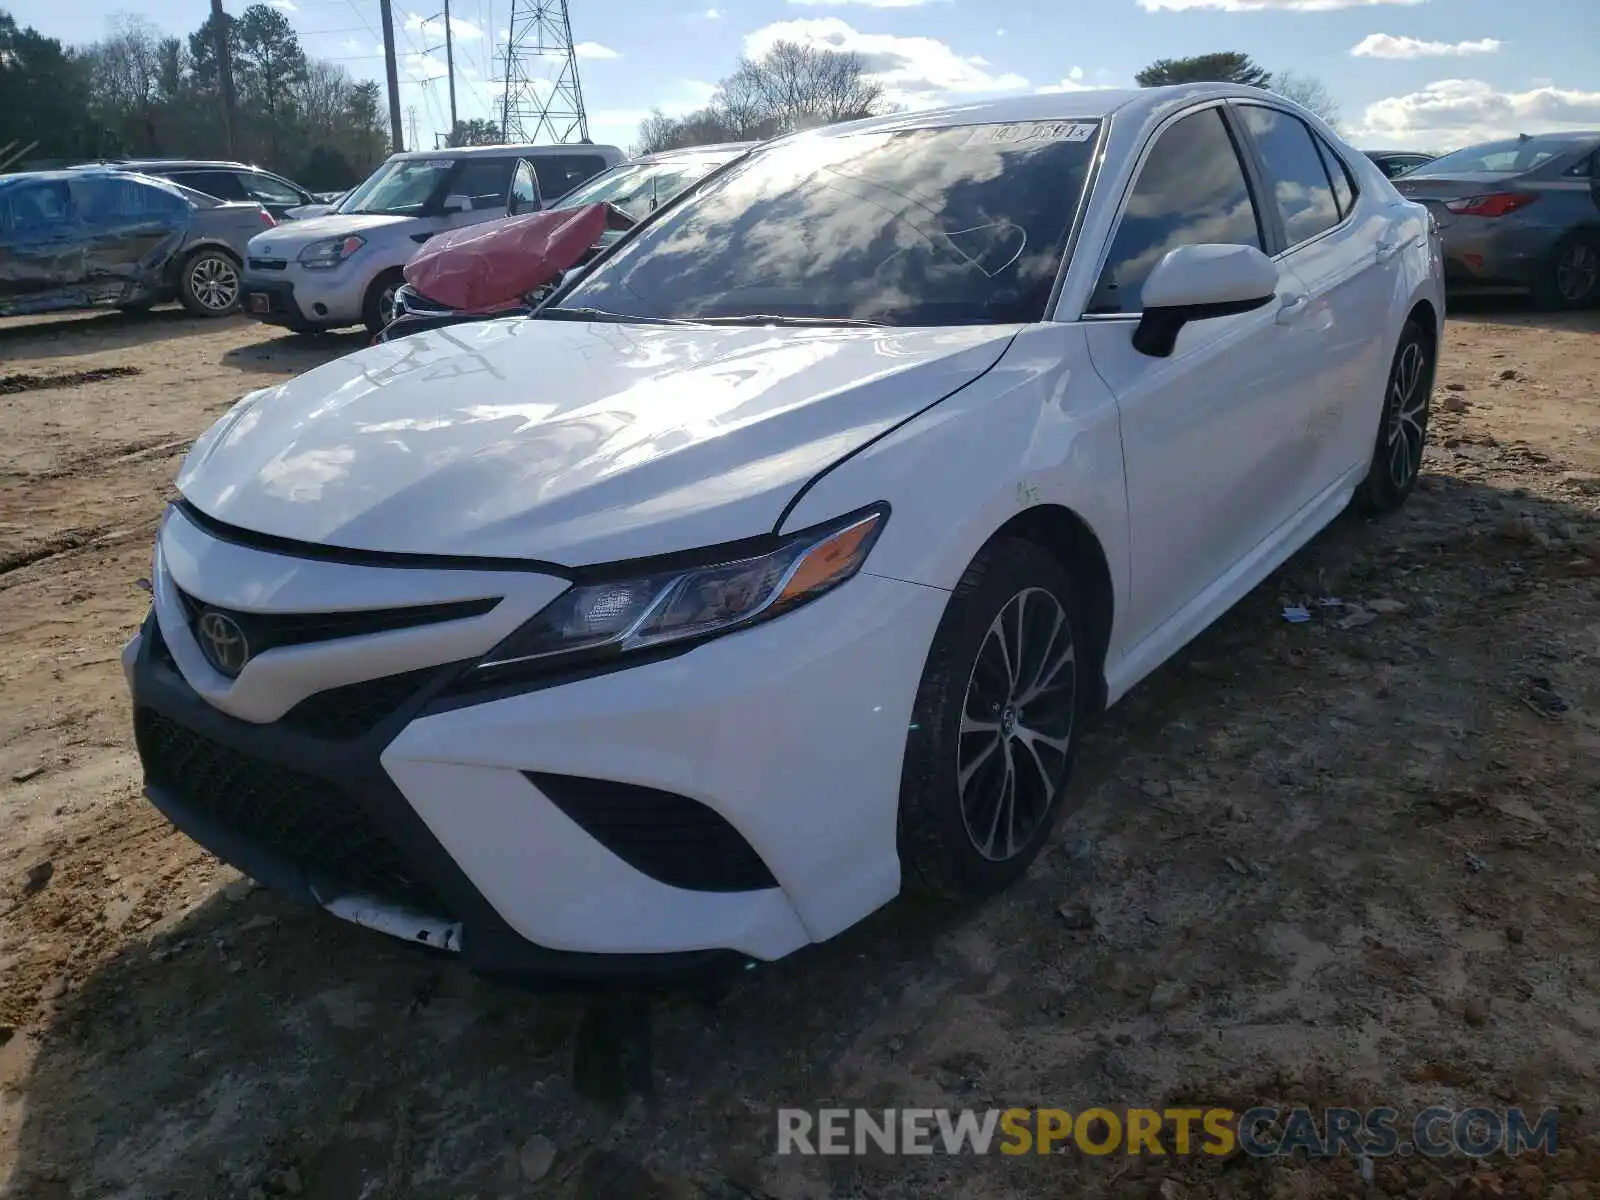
952 840
377 310
1403 428
1570 277
209 283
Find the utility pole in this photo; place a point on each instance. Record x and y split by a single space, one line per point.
450 66
219 22
389 69
411 117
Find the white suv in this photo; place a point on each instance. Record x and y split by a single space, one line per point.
343 268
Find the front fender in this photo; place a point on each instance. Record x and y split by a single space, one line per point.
1040 428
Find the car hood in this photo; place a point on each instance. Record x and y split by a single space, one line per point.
285 240
567 442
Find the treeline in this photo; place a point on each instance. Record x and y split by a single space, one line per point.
139 92
796 86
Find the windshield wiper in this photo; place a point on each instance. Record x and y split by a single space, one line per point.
600 314
779 319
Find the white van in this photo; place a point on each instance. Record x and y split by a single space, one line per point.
343 268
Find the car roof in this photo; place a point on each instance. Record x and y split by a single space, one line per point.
169 164
1090 104
691 152
507 149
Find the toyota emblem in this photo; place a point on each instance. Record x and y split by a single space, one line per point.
222 642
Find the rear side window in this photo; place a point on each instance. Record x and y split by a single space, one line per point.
560 173
1300 186
1344 187
486 180
224 185
1191 190
111 201
34 208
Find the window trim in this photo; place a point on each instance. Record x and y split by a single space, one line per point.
1246 168
1285 250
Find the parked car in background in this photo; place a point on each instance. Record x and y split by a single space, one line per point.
780 561
343 268
1519 213
224 180
1394 163
631 190
80 238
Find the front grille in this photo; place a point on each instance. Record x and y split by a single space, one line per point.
671 838
348 712
268 264
298 817
267 631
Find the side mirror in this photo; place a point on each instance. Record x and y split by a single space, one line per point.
1197 283
457 203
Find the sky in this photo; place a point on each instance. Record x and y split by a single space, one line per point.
1406 74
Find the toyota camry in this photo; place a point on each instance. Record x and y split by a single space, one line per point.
776 565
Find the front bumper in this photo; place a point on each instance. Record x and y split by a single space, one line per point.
299 299
732 803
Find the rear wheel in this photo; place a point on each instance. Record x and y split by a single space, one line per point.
378 309
1403 428
990 748
208 283
1571 277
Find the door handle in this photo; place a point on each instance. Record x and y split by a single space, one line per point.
1291 309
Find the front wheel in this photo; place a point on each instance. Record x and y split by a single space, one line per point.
1403 428
990 747
378 309
208 283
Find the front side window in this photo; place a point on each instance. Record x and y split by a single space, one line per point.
268 190
560 173
1191 191
962 225
487 181
401 187
1301 189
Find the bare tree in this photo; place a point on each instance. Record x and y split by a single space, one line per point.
1308 92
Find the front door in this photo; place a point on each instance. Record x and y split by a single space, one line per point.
1203 431
131 229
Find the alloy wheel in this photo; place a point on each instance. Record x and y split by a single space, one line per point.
1015 743
1577 272
1408 421
386 300
214 281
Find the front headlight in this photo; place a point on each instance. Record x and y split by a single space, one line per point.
611 617
328 253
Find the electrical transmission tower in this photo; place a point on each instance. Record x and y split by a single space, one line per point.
543 99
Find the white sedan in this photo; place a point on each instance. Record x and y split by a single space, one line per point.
776 564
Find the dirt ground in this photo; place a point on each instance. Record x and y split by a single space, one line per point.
1347 861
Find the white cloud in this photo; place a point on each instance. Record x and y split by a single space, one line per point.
594 50
865 3
1458 112
917 72
1072 83
432 28
1266 5
999 33
287 6
712 14
1382 45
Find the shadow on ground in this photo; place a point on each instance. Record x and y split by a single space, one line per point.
295 352
26 338
1519 311
1280 842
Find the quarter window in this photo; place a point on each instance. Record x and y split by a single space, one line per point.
1191 191
1299 181
1344 187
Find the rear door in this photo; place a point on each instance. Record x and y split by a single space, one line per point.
41 247
131 229
1343 253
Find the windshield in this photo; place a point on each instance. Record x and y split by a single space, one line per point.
401 187
952 226
1507 158
638 189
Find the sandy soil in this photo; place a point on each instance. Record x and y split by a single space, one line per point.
1348 861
